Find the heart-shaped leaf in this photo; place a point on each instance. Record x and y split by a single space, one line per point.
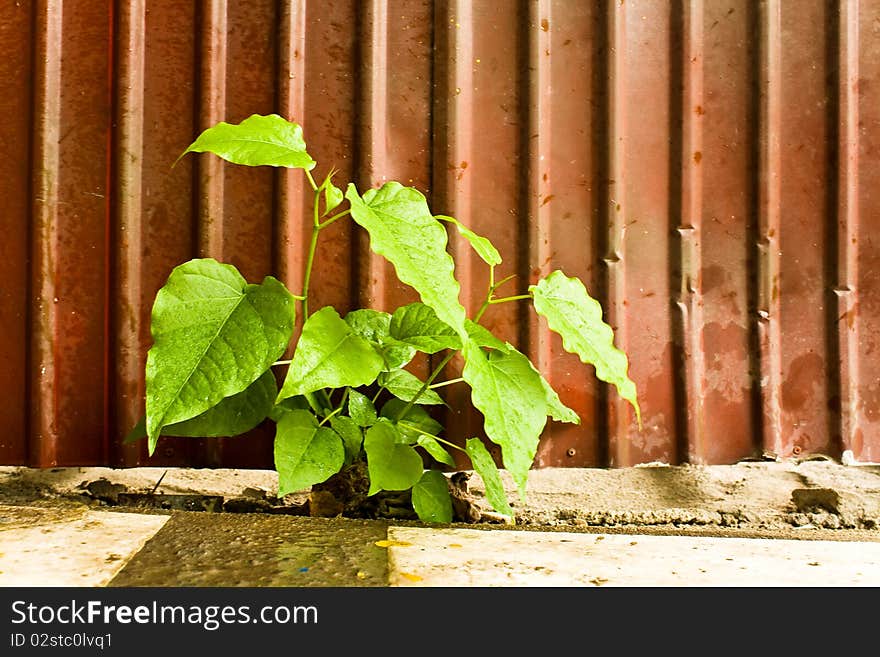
305 454
430 498
330 354
213 336
392 464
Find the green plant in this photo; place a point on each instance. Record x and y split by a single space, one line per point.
346 396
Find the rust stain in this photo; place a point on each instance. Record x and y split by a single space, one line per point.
697 157
545 24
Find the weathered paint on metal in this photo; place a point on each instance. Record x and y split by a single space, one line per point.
706 167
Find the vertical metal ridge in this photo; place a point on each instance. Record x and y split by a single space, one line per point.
211 110
689 288
211 170
128 263
540 166
768 245
618 414
453 144
847 287
17 35
291 232
373 162
456 143
46 158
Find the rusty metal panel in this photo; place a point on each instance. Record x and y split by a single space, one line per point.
706 167
16 89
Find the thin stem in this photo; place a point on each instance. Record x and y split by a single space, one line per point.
327 419
482 310
313 247
339 215
425 385
445 383
513 298
282 362
311 180
414 427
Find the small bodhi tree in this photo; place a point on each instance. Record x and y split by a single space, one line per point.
346 396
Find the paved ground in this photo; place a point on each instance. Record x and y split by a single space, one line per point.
753 524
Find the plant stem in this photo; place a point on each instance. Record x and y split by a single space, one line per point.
311 180
513 298
425 385
445 383
282 362
413 427
327 419
313 247
339 215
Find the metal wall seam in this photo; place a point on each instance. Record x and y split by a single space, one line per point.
453 190
613 213
846 289
690 222
768 320
128 327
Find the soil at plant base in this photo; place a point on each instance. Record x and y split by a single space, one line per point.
785 499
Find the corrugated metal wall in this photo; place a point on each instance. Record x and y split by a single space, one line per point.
706 167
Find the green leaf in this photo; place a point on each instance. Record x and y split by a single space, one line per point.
483 247
435 449
372 325
351 434
577 317
332 197
213 335
418 325
485 466
507 390
430 498
483 337
258 140
416 421
555 408
300 402
402 229
330 354
305 454
375 327
332 194
404 386
361 409
233 415
392 464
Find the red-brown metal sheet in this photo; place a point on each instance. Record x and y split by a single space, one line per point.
566 193
706 168
69 232
16 91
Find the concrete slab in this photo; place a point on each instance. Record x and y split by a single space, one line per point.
473 557
69 547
